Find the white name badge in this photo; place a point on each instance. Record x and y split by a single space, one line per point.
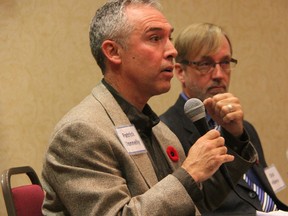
274 178
130 139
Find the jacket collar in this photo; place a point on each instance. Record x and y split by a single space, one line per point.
118 118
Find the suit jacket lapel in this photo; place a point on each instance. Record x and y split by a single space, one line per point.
259 171
166 138
261 176
119 118
186 122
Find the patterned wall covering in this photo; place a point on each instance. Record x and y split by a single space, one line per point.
46 68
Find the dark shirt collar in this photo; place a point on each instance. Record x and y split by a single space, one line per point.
143 121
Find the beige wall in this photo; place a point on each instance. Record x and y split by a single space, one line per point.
46 68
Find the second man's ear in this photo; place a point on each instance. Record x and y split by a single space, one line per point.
111 51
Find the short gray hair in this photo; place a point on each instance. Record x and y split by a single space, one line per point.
110 22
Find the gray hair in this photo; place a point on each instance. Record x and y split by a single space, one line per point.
110 23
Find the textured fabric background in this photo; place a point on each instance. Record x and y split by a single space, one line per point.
46 68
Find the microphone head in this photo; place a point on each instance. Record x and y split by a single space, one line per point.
194 109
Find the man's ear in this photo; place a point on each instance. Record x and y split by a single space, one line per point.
179 72
111 51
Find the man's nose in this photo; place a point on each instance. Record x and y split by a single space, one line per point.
217 71
171 51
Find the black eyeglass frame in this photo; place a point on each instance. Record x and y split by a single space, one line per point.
211 64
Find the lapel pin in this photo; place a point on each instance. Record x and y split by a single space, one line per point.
172 153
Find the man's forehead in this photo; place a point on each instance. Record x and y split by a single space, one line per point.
148 18
159 29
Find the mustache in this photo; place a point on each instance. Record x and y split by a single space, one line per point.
217 84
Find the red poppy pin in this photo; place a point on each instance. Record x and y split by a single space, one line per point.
172 153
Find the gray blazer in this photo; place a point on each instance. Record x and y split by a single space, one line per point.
87 171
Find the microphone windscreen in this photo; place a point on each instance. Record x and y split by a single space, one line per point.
194 109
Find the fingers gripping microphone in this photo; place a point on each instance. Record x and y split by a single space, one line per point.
195 110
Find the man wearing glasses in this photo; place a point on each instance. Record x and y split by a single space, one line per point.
203 67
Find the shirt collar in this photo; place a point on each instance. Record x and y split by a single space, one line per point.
143 121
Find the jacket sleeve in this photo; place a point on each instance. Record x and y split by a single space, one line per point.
223 181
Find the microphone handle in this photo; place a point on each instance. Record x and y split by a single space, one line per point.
201 126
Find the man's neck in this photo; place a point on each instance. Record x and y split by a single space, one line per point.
127 94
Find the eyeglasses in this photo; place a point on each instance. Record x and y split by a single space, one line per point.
205 67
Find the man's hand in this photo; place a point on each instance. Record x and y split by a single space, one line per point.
206 156
225 109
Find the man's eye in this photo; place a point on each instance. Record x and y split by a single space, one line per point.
155 38
225 62
204 63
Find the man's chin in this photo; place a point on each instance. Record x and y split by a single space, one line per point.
215 91
162 90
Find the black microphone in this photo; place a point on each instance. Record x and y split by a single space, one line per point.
195 110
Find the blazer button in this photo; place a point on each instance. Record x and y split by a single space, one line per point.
252 194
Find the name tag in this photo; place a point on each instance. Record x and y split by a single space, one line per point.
130 139
274 178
